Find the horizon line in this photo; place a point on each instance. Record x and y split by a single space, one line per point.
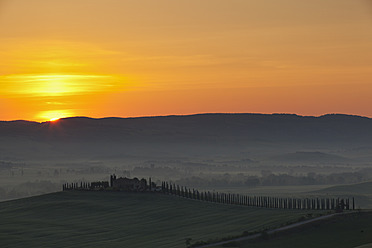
191 114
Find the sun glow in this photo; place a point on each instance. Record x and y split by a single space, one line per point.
54 115
53 96
55 84
115 58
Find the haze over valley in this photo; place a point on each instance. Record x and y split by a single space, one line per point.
235 152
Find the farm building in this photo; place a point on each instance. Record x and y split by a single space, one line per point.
127 184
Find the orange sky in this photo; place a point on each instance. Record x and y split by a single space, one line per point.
134 58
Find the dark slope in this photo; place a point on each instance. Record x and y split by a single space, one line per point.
201 128
175 136
119 219
342 231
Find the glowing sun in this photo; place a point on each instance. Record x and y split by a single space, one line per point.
54 115
55 119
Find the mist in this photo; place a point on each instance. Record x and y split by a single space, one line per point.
228 152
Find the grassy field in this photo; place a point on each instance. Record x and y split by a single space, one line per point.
345 231
360 188
116 219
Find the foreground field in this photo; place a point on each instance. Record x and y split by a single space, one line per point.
115 219
343 231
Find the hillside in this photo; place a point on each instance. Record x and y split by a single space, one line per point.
114 219
193 134
346 231
202 127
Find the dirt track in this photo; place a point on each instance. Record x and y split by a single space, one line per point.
254 236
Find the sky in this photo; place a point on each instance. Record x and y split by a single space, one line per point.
129 58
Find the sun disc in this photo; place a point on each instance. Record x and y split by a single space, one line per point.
54 115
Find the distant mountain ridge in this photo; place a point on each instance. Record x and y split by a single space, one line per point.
209 128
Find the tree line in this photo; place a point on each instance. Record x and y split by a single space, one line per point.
338 204
260 201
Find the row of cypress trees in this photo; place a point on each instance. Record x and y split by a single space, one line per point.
72 186
86 186
259 201
236 199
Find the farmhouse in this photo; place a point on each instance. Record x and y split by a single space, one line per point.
127 184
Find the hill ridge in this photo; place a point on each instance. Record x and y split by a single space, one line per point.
197 114
199 127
